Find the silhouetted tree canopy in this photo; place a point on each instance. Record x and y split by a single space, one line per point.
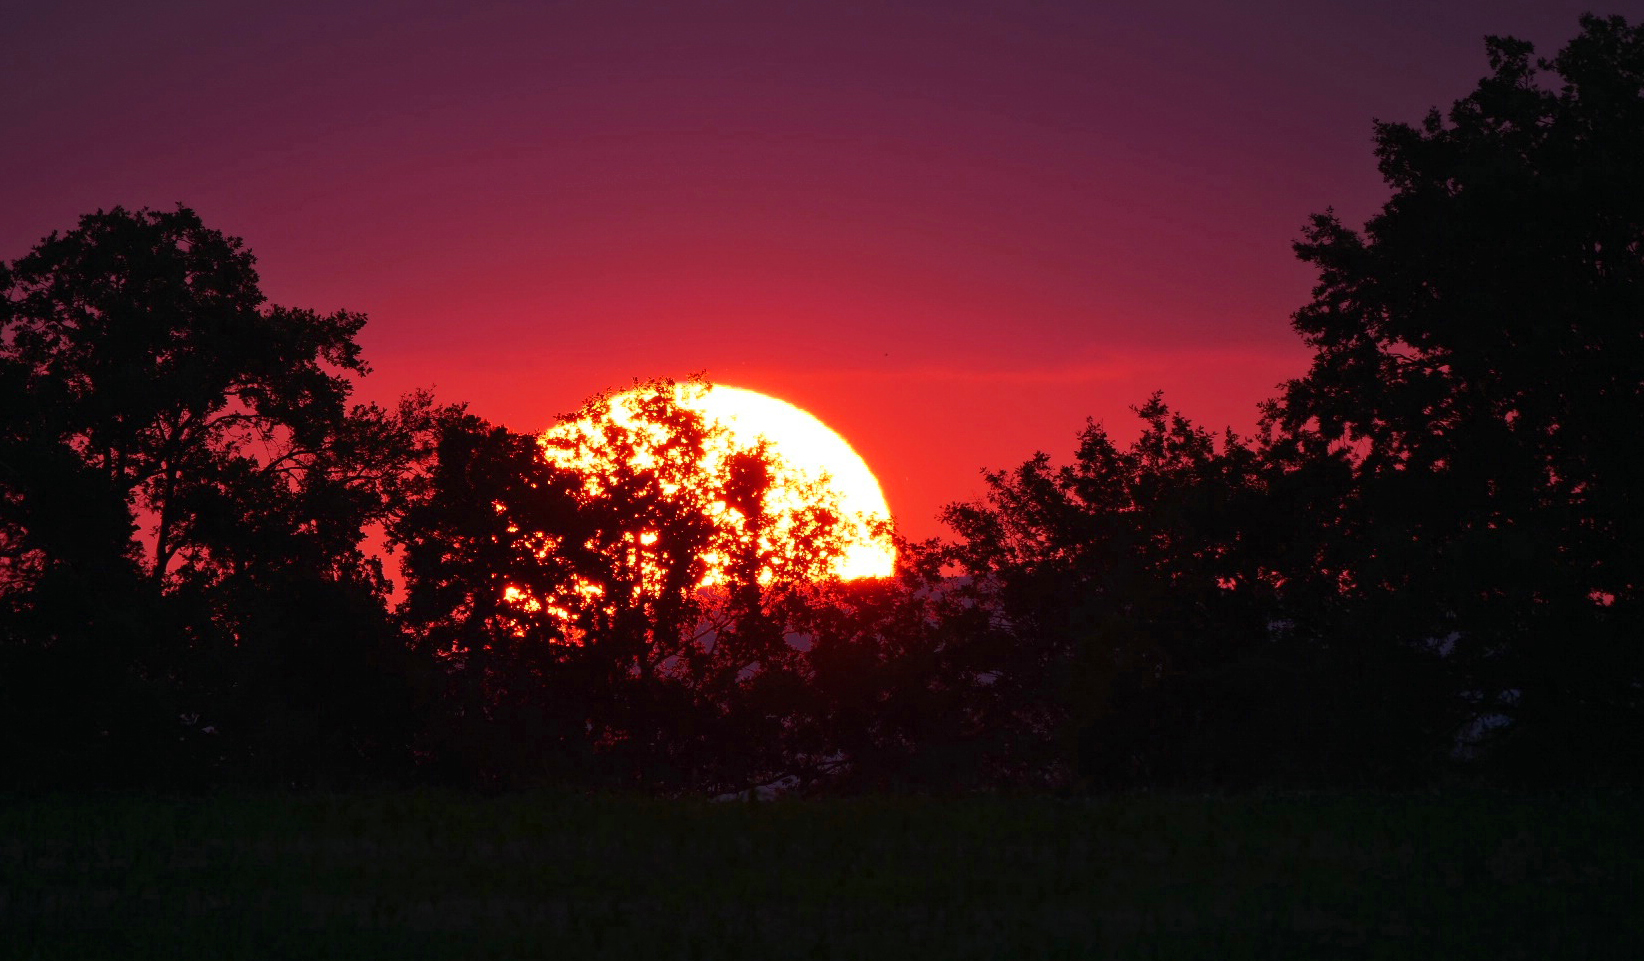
1478 378
178 465
1133 619
603 592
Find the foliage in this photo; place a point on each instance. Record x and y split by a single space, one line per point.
1434 537
1132 623
617 587
1476 385
179 466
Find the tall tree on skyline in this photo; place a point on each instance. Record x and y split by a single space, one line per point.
176 457
1477 372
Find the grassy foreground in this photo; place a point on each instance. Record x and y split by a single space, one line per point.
433 875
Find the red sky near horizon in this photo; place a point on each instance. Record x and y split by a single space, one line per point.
951 230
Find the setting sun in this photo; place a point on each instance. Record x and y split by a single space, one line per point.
813 452
816 450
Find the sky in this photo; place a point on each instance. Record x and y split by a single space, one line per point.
953 231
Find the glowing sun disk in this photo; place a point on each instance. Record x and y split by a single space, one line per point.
816 450
805 446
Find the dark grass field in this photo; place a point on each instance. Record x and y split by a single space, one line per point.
442 875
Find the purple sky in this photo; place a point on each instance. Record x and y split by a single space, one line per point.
952 230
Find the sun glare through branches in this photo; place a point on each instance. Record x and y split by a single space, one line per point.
809 474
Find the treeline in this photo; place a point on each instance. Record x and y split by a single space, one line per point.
1425 567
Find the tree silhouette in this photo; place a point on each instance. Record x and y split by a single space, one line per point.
905 688
1131 608
1476 382
176 459
620 586
485 522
